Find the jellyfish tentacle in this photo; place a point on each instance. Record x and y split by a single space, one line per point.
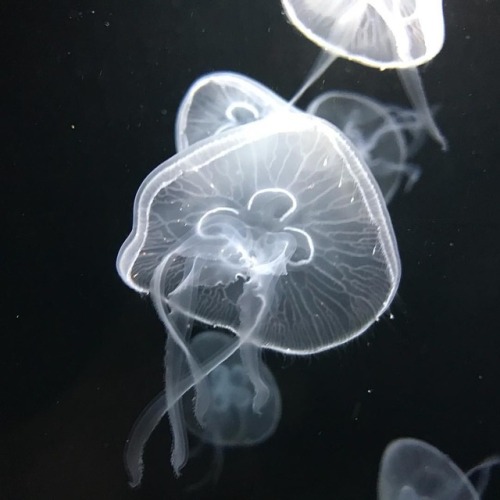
322 63
250 357
176 350
412 83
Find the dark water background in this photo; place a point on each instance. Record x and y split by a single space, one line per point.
90 91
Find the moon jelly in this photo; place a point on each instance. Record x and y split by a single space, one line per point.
414 470
378 132
219 101
384 34
275 231
229 418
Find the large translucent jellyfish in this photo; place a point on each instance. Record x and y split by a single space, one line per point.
275 231
219 101
379 133
414 470
384 34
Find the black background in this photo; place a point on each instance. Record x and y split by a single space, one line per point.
89 96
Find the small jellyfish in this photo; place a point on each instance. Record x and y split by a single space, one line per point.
414 470
378 132
229 419
384 34
275 231
219 101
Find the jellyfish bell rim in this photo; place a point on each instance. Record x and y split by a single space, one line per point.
253 88
167 172
338 51
394 448
213 148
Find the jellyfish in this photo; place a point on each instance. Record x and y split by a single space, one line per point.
414 470
384 34
219 101
230 419
275 231
384 136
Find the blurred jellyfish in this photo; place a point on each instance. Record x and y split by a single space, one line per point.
414 470
384 34
275 231
384 136
219 101
229 420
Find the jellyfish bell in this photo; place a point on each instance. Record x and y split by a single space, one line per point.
230 419
411 469
378 132
384 34
414 469
289 187
275 231
220 101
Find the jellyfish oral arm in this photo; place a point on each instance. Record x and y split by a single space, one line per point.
412 84
270 262
322 63
139 436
